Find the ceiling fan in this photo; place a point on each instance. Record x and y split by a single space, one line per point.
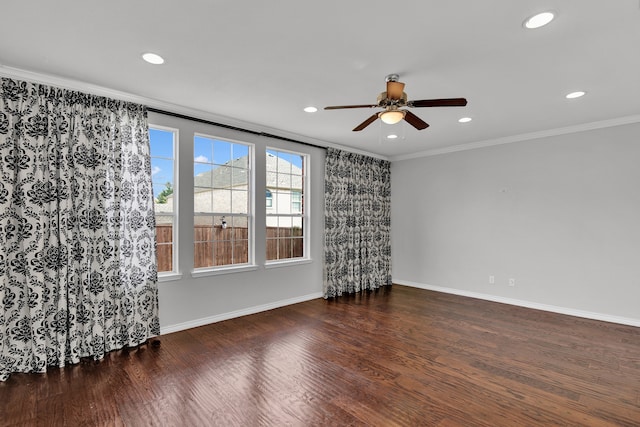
393 100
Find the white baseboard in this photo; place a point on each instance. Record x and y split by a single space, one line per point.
238 313
527 304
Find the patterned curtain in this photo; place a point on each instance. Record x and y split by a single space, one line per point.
357 223
77 235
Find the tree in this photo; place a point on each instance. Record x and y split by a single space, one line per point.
162 197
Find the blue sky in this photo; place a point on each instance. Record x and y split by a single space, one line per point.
161 158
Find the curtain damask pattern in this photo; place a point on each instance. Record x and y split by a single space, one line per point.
357 223
77 232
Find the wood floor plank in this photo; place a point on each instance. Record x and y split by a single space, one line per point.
396 357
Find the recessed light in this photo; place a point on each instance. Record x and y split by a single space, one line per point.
465 120
539 20
153 58
392 136
310 109
577 94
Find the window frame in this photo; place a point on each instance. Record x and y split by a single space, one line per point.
250 216
175 273
304 215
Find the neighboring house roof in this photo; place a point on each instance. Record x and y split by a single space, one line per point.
234 173
231 174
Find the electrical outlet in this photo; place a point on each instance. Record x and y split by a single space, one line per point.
492 280
512 282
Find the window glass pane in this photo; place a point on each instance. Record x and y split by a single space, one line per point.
202 226
272 180
284 163
204 179
221 177
202 150
222 253
297 247
202 200
164 254
239 202
284 248
240 251
239 177
272 249
222 200
281 231
296 162
163 195
278 201
296 223
161 170
165 223
240 231
272 222
162 150
240 156
296 183
241 221
221 152
203 254
161 143
201 168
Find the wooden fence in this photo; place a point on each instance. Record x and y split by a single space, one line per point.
225 246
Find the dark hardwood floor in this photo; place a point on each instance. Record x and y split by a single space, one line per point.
396 357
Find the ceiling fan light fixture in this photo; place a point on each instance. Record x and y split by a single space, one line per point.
310 109
391 117
539 20
465 120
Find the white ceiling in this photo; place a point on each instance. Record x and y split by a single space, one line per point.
262 62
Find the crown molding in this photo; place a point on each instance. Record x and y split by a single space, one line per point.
522 137
71 84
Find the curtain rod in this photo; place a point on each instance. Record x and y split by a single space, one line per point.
209 122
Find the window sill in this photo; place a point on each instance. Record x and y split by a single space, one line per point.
223 270
287 263
169 277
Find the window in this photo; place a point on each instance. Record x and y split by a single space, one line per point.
285 215
163 175
269 201
296 202
222 187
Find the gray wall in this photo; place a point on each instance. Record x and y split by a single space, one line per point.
194 301
560 215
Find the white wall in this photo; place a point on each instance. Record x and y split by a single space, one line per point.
560 215
193 301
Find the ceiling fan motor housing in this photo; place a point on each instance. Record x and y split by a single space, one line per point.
384 101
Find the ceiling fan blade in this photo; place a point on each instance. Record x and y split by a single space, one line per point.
415 121
395 90
366 123
339 107
446 102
